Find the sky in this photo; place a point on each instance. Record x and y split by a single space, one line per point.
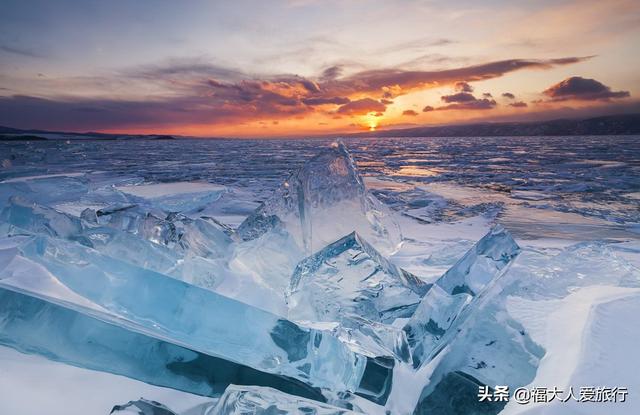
310 67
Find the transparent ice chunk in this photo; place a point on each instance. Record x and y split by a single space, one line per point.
255 400
197 237
31 216
142 406
33 325
323 201
262 270
480 265
174 197
169 309
457 393
45 190
350 280
433 318
446 303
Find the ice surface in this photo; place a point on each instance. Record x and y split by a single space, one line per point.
323 201
241 400
349 279
171 310
175 197
444 192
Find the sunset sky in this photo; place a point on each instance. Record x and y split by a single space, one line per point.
302 67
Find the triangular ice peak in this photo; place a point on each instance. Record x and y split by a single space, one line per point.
455 294
322 201
349 280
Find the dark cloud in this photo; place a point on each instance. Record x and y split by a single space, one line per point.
578 88
465 100
198 92
518 104
508 95
331 73
310 86
410 113
109 114
362 107
463 87
394 82
428 108
326 101
459 97
477 104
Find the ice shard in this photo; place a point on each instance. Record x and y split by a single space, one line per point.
481 264
262 270
33 325
323 201
39 189
168 309
142 407
197 238
29 215
446 303
174 197
255 400
433 318
457 393
349 280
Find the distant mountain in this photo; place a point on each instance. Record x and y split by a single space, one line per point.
605 125
15 134
21 137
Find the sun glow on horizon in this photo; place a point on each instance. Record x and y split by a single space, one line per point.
371 120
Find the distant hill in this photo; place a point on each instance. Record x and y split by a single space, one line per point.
15 134
605 125
21 137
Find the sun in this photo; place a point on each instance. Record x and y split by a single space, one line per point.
371 121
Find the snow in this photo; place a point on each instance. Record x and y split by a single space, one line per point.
585 343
